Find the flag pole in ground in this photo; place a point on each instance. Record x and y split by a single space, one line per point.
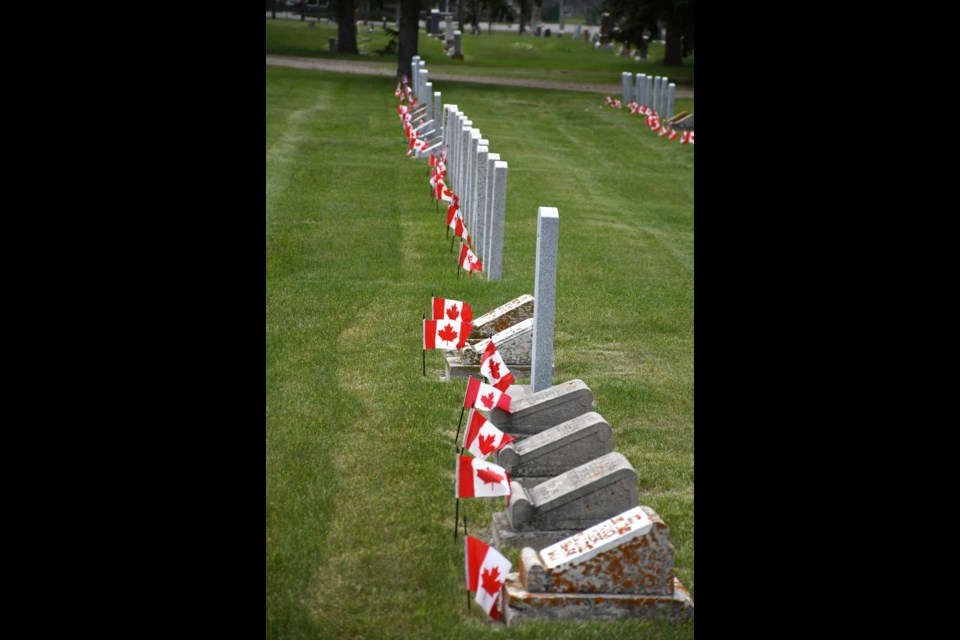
465 537
424 355
451 242
456 520
458 427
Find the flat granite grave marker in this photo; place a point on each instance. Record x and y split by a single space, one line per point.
532 413
503 317
513 344
537 458
619 568
566 504
490 324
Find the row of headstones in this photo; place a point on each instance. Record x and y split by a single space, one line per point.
477 176
655 92
574 512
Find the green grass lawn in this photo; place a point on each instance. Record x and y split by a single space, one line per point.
505 54
359 445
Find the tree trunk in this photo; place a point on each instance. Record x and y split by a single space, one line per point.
672 52
346 27
409 31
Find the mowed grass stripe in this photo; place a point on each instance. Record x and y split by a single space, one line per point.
360 445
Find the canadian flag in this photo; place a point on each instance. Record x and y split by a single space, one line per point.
443 334
452 211
673 133
609 101
617 104
417 145
493 367
397 92
654 123
479 479
482 437
445 194
433 160
468 259
634 108
444 309
666 130
486 571
402 110
687 137
484 397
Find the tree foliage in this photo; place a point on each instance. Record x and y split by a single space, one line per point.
633 18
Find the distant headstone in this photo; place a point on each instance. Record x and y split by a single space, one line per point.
457 53
576 31
333 44
655 98
641 85
556 450
671 94
537 412
586 35
622 567
566 504
606 24
498 213
545 295
434 21
626 80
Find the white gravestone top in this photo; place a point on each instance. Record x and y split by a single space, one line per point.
597 539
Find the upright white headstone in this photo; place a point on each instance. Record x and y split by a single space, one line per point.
487 249
480 198
655 98
544 298
438 112
499 214
671 93
641 85
626 82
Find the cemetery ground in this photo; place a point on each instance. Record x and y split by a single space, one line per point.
503 54
359 445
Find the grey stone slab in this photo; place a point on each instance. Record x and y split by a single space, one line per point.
641 85
457 52
502 317
544 409
461 176
455 367
545 294
520 605
471 183
423 69
576 499
558 449
671 95
438 111
505 536
498 215
626 80
428 91
664 93
480 197
655 99
513 343
491 176
648 91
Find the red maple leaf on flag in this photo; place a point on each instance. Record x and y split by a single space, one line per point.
486 443
447 333
489 476
495 369
490 582
487 400
453 313
469 259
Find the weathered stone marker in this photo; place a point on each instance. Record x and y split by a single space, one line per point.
626 81
457 53
498 214
619 568
485 249
513 344
437 110
471 185
549 453
655 98
664 93
648 92
503 317
414 70
539 411
480 195
641 85
332 44
428 91
566 504
671 94
545 295
420 79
